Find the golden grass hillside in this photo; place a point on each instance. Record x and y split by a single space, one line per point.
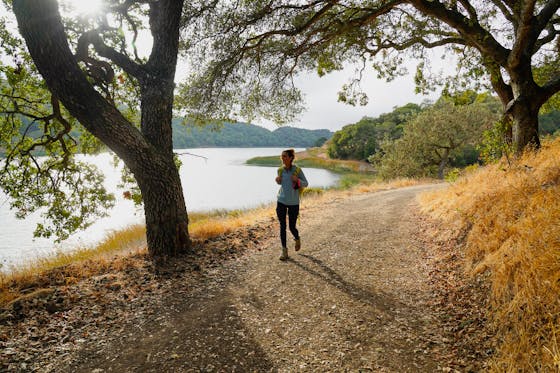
510 214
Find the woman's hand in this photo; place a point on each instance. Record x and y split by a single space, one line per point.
278 179
294 178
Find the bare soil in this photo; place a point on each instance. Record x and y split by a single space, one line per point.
370 291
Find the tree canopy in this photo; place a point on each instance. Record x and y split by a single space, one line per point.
247 53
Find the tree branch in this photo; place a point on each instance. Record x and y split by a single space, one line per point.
503 90
505 11
288 32
425 43
551 88
552 34
41 26
470 9
92 37
473 33
164 17
546 14
525 35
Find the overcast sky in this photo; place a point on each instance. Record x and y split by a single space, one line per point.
324 111
321 94
321 97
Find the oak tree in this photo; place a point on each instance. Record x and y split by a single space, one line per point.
70 73
248 52
434 138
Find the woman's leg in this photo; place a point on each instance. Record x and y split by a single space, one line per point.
281 213
293 212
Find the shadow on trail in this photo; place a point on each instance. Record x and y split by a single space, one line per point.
199 333
380 301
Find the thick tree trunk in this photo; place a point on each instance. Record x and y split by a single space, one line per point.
149 155
165 211
164 203
524 108
525 127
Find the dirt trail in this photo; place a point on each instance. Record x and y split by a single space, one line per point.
353 299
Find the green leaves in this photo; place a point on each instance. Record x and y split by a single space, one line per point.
328 62
436 138
69 194
495 144
364 138
39 171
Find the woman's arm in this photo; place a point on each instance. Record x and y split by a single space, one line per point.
302 180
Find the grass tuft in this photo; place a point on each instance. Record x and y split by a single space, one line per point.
207 225
510 215
69 267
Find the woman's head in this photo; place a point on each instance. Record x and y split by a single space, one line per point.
288 156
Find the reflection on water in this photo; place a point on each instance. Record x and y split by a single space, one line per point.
213 178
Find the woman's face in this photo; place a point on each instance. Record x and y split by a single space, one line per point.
286 159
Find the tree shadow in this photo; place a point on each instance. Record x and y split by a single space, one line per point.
381 301
198 332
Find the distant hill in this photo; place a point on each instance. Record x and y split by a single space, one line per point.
245 135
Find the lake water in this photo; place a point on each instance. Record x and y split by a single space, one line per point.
220 180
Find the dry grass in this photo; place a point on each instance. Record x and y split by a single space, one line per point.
511 217
69 267
204 226
392 184
114 253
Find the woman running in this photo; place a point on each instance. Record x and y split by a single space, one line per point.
291 180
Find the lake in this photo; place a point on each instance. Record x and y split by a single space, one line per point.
213 178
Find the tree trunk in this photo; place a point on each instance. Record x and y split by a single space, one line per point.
443 163
164 207
164 203
524 108
525 127
149 155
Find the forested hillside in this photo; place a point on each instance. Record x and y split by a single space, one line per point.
228 135
245 135
432 139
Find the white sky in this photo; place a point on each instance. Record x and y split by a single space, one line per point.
324 111
321 96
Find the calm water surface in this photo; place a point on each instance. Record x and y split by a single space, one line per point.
220 180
